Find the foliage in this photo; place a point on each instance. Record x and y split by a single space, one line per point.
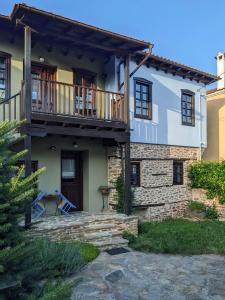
120 194
211 213
181 236
89 252
209 176
54 291
129 236
15 192
197 206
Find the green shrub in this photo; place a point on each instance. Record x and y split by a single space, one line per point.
211 213
120 194
197 206
209 176
129 236
89 252
54 291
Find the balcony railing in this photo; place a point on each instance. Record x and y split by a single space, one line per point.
58 98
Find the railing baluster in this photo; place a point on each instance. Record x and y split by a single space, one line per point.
69 99
64 100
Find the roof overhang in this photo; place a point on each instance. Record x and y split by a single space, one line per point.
174 68
71 32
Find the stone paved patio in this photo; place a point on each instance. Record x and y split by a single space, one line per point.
140 276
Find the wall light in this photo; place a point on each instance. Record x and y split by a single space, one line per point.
52 148
41 59
75 145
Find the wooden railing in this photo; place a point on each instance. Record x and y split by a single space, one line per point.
60 98
10 108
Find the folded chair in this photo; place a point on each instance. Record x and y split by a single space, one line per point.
37 208
65 205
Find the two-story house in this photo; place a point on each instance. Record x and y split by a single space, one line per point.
97 106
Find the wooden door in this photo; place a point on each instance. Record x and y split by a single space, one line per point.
71 177
87 92
43 87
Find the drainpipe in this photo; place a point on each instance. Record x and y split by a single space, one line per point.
201 97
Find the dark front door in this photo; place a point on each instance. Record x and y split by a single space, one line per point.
71 177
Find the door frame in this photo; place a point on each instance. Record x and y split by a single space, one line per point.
79 153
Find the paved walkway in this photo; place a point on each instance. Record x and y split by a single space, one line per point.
139 276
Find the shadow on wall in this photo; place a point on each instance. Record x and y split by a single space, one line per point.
165 126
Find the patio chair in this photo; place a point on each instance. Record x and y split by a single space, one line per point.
65 205
37 208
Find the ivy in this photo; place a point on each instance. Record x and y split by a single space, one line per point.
209 176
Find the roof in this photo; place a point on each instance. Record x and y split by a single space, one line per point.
215 90
175 68
72 31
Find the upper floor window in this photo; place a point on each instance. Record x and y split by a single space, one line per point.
135 174
142 98
188 107
178 173
4 75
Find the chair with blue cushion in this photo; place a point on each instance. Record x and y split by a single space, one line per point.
38 208
65 205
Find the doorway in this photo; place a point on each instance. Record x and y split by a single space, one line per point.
71 177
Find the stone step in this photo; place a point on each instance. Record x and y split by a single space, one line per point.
109 243
100 226
92 236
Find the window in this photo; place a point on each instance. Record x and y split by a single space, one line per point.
143 98
188 108
178 173
4 75
135 174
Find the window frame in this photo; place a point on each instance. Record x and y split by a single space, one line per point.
180 162
192 95
7 58
148 83
138 181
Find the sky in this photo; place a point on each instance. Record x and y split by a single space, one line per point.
187 31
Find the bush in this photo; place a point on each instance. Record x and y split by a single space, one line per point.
120 194
211 213
209 176
197 206
129 236
89 252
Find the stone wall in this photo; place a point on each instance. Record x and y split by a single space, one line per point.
200 195
157 198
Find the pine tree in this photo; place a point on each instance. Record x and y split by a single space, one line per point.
15 191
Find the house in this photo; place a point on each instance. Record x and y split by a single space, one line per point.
99 104
216 115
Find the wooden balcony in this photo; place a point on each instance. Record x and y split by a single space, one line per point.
67 109
62 99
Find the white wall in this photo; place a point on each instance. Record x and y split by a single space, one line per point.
165 126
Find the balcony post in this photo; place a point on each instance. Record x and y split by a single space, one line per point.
127 169
27 109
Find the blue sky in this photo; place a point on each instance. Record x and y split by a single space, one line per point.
188 31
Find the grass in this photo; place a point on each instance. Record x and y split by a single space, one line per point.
180 236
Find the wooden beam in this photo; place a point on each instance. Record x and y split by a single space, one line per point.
43 130
27 108
138 66
127 170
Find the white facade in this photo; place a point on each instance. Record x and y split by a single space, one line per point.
166 127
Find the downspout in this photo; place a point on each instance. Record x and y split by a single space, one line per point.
200 121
